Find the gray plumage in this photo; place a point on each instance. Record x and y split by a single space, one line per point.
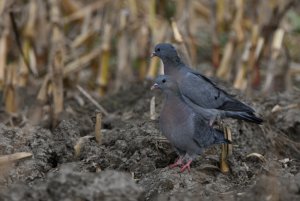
212 115
185 128
199 90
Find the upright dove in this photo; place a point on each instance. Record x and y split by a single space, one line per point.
185 127
199 90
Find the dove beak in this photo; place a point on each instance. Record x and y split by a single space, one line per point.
153 54
154 86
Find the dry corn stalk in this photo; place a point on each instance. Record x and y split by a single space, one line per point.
225 67
2 6
187 22
158 35
238 20
240 80
220 15
28 35
214 37
70 6
278 108
42 95
82 38
276 47
152 18
201 9
14 157
88 30
36 111
259 47
24 72
153 68
29 30
79 144
177 35
252 59
81 62
80 13
133 9
98 127
144 55
92 100
10 93
158 30
229 138
224 167
142 68
236 35
103 72
57 81
179 39
57 62
226 151
3 47
124 71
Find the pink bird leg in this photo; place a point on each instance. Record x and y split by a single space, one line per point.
186 166
178 162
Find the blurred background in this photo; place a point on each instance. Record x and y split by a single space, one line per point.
101 46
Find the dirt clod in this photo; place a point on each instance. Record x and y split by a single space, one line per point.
68 184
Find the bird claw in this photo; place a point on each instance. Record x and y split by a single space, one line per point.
178 162
186 166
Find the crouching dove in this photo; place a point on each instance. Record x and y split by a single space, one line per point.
185 128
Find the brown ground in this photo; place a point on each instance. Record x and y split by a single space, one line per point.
131 164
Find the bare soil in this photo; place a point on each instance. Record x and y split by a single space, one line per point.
132 162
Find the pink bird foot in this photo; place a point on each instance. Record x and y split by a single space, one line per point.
186 166
178 162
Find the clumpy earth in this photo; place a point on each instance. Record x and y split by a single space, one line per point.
132 161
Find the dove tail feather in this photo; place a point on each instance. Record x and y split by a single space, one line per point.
246 116
235 105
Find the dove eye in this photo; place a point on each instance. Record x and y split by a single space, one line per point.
158 49
164 80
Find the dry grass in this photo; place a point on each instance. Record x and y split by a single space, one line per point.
45 43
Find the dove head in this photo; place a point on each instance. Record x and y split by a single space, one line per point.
166 84
165 51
